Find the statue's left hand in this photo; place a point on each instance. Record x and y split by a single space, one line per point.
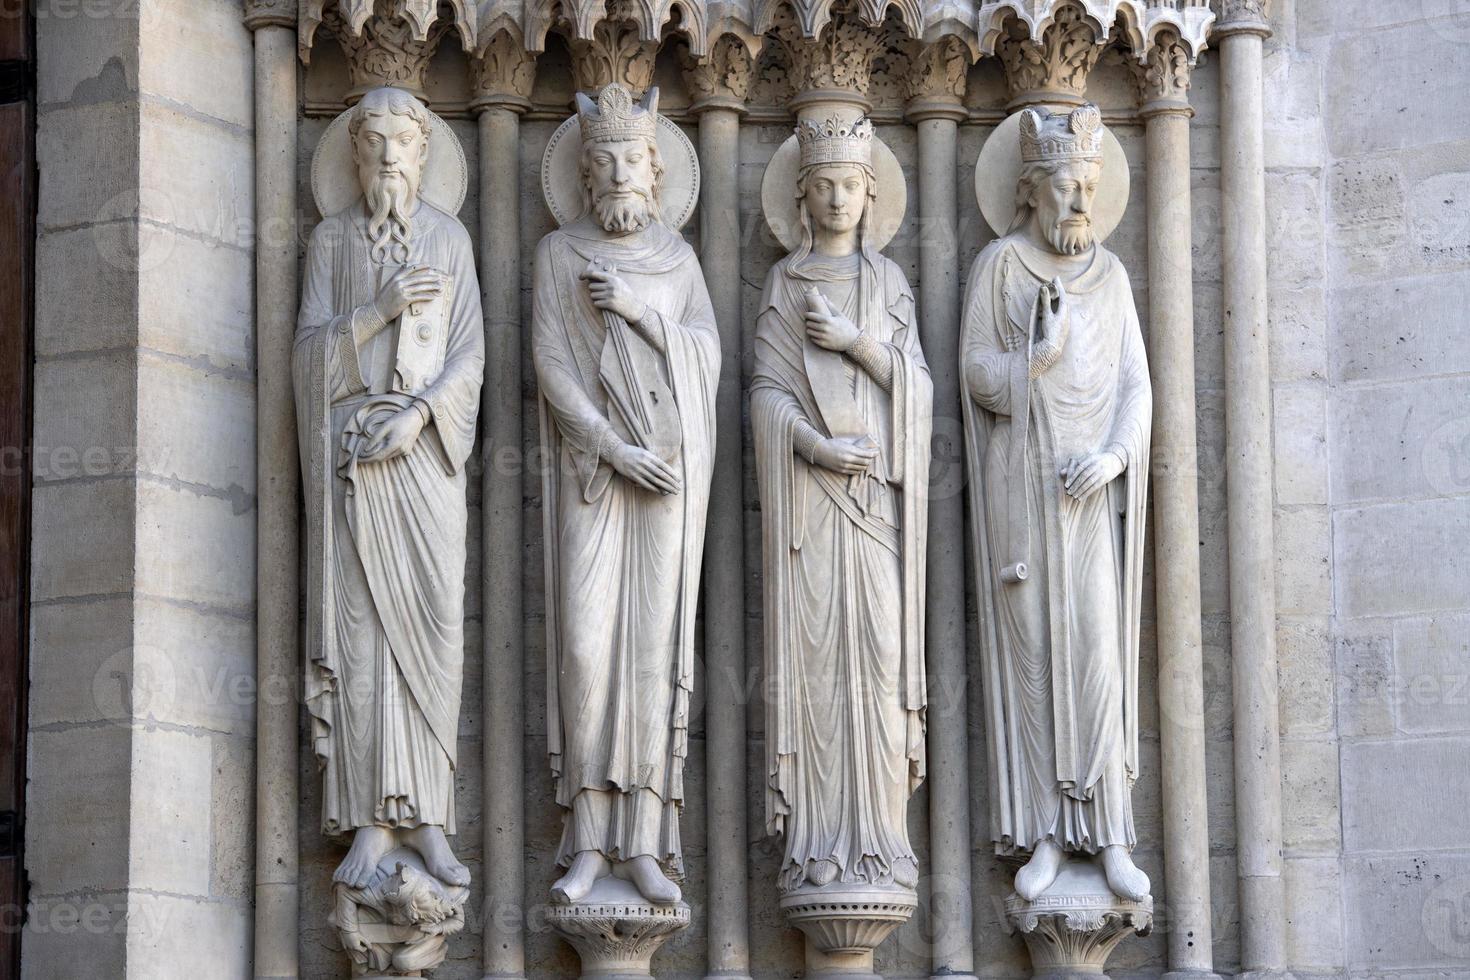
1083 476
612 293
395 437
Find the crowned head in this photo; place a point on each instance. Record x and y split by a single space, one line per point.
835 182
1061 164
621 166
389 130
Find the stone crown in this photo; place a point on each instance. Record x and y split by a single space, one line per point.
834 141
1048 137
614 116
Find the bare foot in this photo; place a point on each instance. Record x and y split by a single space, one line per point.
645 874
439 859
1125 878
369 846
1039 872
573 886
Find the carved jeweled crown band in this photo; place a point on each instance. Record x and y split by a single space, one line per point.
1047 137
614 116
835 141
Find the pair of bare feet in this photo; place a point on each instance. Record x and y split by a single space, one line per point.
1124 877
371 844
643 871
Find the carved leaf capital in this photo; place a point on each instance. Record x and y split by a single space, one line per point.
840 58
386 49
1233 12
1164 77
503 71
1059 63
614 53
262 13
724 75
938 71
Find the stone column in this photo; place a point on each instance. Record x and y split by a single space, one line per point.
1164 104
719 85
1239 34
935 88
503 73
278 661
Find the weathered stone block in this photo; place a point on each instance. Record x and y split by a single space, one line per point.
88 160
1427 771
1299 447
1363 651
180 938
195 667
197 427
196 544
196 177
198 302
1309 797
188 41
1373 336
1379 78
1432 670
1401 558
1402 440
1305 668
1296 321
170 846
82 539
85 411
79 776
1313 914
1405 911
1303 557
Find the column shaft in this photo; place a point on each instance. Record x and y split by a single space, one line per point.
950 914
278 662
501 533
724 613
1249 495
1174 469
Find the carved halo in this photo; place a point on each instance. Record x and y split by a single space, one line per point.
783 212
561 173
334 181
999 168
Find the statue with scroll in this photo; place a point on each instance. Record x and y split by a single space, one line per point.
1057 423
627 355
388 360
841 405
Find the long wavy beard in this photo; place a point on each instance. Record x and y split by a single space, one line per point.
623 215
1070 239
389 225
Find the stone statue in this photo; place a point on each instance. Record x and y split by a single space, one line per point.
1057 425
627 355
387 365
841 406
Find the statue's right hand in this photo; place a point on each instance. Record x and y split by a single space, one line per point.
410 284
845 456
1053 301
645 469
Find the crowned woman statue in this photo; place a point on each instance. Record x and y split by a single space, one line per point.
841 405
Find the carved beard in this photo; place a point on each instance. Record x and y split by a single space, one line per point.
621 215
388 223
1070 239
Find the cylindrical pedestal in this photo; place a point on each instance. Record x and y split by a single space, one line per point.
1073 927
615 930
844 924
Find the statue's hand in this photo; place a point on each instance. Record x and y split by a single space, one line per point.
395 437
612 293
831 330
410 284
845 456
645 469
1083 476
1054 313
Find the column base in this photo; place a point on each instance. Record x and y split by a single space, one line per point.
844 924
953 976
1073 926
615 930
1191 975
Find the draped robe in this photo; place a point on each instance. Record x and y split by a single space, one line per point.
622 562
385 540
844 579
1060 649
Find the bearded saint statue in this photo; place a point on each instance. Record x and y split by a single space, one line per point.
840 406
1057 427
388 359
627 355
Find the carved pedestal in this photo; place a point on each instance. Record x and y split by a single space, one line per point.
1074 925
399 924
615 930
844 924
